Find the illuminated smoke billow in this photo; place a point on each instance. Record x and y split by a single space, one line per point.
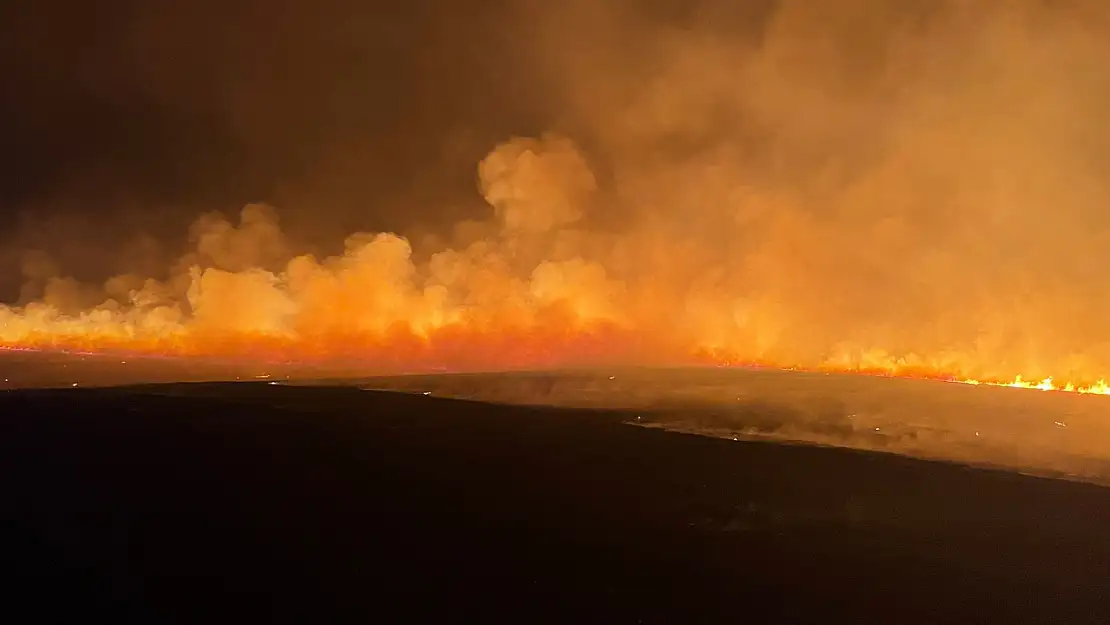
915 190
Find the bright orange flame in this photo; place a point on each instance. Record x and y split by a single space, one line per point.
893 368
564 341
1098 388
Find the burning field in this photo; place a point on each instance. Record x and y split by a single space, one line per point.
862 189
637 310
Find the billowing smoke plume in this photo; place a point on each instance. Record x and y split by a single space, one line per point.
916 187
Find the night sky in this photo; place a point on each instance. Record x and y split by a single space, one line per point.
115 105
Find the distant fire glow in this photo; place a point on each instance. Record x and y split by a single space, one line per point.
377 307
1098 388
857 187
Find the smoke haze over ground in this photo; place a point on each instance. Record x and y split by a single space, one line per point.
914 187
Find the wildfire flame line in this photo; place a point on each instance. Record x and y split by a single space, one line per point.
1098 388
532 288
1101 387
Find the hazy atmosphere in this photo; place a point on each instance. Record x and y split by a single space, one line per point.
915 186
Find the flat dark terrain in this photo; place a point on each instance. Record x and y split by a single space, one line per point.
257 503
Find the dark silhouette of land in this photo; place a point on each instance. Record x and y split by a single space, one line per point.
260 503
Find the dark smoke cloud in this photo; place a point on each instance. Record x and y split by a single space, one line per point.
332 108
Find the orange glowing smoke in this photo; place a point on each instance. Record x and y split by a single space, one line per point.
535 290
373 305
